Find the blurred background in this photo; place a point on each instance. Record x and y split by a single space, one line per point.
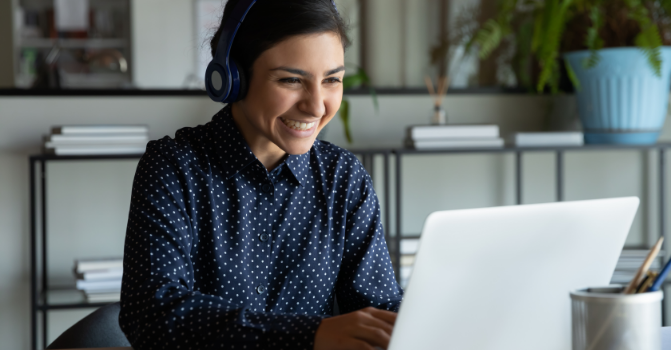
141 62
125 44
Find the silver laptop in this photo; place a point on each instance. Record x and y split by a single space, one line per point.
499 278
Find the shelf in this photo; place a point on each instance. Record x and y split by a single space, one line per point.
61 299
509 149
43 157
47 43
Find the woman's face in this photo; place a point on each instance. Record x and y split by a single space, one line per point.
295 90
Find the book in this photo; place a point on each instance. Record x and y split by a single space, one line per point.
99 275
455 131
548 139
409 246
73 150
99 129
103 297
107 285
455 144
97 139
84 265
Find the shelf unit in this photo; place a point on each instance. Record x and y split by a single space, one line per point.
37 41
44 299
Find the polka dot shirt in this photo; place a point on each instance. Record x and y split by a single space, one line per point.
222 253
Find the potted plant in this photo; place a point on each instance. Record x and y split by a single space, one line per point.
611 50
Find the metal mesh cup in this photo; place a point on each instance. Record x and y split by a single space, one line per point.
603 318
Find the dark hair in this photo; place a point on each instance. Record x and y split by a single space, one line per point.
271 21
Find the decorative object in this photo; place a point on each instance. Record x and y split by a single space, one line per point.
437 94
619 59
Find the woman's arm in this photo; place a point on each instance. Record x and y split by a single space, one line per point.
160 309
366 275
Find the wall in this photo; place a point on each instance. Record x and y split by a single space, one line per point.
164 43
90 199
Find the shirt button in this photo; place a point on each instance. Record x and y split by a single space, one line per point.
263 237
261 289
266 188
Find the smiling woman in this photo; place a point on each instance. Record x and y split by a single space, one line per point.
242 232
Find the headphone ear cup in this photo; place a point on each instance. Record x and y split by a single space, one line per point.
243 83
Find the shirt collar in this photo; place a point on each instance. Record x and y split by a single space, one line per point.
236 155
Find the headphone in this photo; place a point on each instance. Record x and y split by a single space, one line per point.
224 80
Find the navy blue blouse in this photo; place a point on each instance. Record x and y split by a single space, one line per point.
221 253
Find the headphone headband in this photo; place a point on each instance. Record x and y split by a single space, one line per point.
223 79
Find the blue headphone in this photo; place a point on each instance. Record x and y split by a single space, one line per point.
224 80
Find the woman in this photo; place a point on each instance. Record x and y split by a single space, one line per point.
242 231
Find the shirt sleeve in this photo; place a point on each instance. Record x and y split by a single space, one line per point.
159 307
366 275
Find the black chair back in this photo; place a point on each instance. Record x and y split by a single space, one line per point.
97 330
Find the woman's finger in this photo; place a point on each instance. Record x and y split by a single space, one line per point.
384 315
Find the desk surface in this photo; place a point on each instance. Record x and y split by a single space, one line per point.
666 341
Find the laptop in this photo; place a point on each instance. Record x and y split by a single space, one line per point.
499 278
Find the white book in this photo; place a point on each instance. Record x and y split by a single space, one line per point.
456 144
101 275
99 285
99 129
84 265
78 150
96 139
409 246
455 131
103 297
548 139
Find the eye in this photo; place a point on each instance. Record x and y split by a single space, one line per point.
290 80
333 80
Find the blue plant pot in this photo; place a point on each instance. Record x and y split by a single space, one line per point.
621 100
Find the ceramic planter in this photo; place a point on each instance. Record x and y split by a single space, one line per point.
621 100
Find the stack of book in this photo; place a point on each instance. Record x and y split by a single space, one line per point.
423 137
97 139
99 279
408 250
548 139
630 261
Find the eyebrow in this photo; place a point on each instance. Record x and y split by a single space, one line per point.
306 74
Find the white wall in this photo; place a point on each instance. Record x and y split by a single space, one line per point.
91 198
163 42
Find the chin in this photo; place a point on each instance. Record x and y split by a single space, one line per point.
299 147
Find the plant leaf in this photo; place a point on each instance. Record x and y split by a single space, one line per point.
344 116
571 75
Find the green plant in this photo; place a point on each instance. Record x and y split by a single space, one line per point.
543 29
349 82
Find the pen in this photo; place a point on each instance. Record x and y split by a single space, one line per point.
661 277
643 270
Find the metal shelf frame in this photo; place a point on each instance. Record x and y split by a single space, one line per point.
38 199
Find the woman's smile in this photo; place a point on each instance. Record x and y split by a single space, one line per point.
298 128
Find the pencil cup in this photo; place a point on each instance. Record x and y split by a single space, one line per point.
604 318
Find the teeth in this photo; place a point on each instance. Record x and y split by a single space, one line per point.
296 125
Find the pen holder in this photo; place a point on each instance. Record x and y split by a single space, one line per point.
604 318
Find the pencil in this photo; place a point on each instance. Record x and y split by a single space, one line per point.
643 270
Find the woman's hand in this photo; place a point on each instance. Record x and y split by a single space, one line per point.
359 330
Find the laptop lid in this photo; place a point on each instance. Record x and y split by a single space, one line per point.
499 278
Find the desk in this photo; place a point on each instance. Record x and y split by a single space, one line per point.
666 341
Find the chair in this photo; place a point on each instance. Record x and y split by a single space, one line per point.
97 330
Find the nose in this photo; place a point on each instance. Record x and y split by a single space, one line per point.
312 102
